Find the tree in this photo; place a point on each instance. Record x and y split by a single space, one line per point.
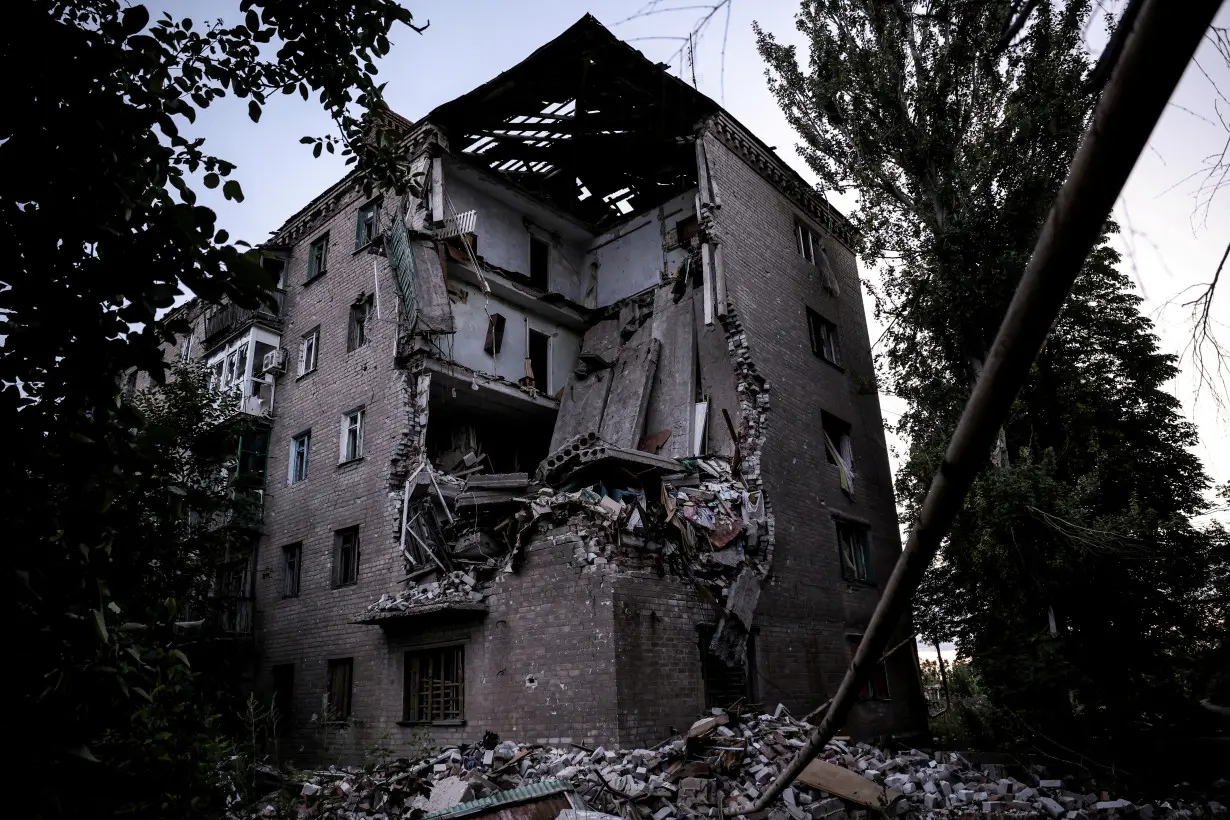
99 232
1074 576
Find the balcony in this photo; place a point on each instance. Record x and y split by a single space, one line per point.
234 614
229 318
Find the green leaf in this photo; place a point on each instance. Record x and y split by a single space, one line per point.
82 751
254 111
231 190
316 150
134 19
307 140
211 180
221 237
100 623
252 21
181 657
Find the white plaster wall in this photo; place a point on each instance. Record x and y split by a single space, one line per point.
504 239
633 257
470 317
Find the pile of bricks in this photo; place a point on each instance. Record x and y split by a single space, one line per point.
720 765
453 586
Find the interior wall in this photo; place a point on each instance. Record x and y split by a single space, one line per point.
471 309
635 255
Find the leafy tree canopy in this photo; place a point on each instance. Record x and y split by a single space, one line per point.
100 231
1074 576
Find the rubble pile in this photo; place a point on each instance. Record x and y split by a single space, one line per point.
454 586
722 764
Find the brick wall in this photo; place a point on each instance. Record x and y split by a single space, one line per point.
806 608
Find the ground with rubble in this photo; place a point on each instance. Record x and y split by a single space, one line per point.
720 765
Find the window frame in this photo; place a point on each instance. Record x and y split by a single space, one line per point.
339 578
450 656
293 475
318 247
343 667
371 207
877 680
356 329
850 569
825 338
309 341
292 570
806 240
351 421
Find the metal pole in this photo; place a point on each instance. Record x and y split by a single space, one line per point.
1158 49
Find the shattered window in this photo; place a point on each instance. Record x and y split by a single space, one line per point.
367 225
292 565
299 446
540 257
855 547
839 449
824 342
318 258
724 685
876 687
341 683
309 351
360 314
435 685
352 436
807 241
346 557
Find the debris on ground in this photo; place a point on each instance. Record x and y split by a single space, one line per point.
722 763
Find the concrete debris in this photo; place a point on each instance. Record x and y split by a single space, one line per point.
723 761
455 586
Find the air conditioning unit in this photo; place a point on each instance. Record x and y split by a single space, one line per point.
274 361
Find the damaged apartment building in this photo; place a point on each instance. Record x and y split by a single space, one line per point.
576 439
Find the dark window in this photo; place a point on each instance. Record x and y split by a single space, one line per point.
685 229
824 342
346 557
435 685
284 695
292 565
839 449
807 242
724 685
876 687
275 266
253 458
360 313
539 344
299 447
341 683
540 255
854 547
495 333
351 445
318 258
367 225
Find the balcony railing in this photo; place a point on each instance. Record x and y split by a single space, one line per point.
229 318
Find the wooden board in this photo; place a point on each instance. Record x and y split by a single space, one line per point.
847 785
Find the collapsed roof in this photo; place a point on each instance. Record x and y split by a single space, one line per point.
586 123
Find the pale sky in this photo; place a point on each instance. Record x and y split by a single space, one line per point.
1168 246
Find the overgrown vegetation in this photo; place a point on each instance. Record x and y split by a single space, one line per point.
99 233
1074 578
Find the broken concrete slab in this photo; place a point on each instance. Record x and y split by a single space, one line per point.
447 793
848 785
623 419
435 313
581 407
673 393
600 345
730 638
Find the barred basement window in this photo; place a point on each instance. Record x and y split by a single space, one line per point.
341 685
435 685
